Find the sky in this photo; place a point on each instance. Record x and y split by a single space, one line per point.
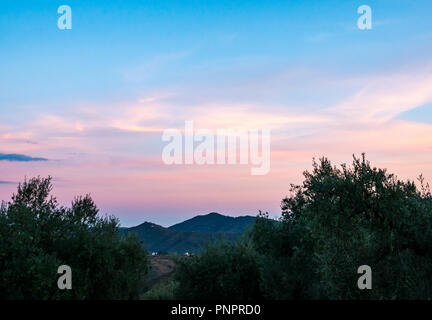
88 105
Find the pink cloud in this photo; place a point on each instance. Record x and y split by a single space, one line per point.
113 150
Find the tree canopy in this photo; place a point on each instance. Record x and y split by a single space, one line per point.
37 235
337 220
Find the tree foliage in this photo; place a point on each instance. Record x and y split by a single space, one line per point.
338 219
224 271
37 235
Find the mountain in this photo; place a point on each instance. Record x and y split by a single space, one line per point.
214 223
190 235
159 239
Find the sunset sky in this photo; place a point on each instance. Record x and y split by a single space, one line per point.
88 105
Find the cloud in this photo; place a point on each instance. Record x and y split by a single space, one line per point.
19 158
385 97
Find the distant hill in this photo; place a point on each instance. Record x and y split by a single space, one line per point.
190 235
159 239
215 222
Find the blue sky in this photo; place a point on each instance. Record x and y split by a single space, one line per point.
172 41
92 99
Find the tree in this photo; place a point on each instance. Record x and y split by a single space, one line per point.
285 259
340 219
223 271
37 235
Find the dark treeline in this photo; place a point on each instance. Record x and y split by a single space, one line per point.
338 219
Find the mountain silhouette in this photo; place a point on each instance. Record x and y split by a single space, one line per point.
215 222
190 235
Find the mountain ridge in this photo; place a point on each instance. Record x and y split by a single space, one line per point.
214 222
192 234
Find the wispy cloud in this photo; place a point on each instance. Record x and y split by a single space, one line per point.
8 182
310 113
19 158
385 97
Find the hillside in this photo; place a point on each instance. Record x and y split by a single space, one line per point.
159 239
215 223
162 267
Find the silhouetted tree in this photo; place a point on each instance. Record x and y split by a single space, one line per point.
223 270
339 219
37 236
335 221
